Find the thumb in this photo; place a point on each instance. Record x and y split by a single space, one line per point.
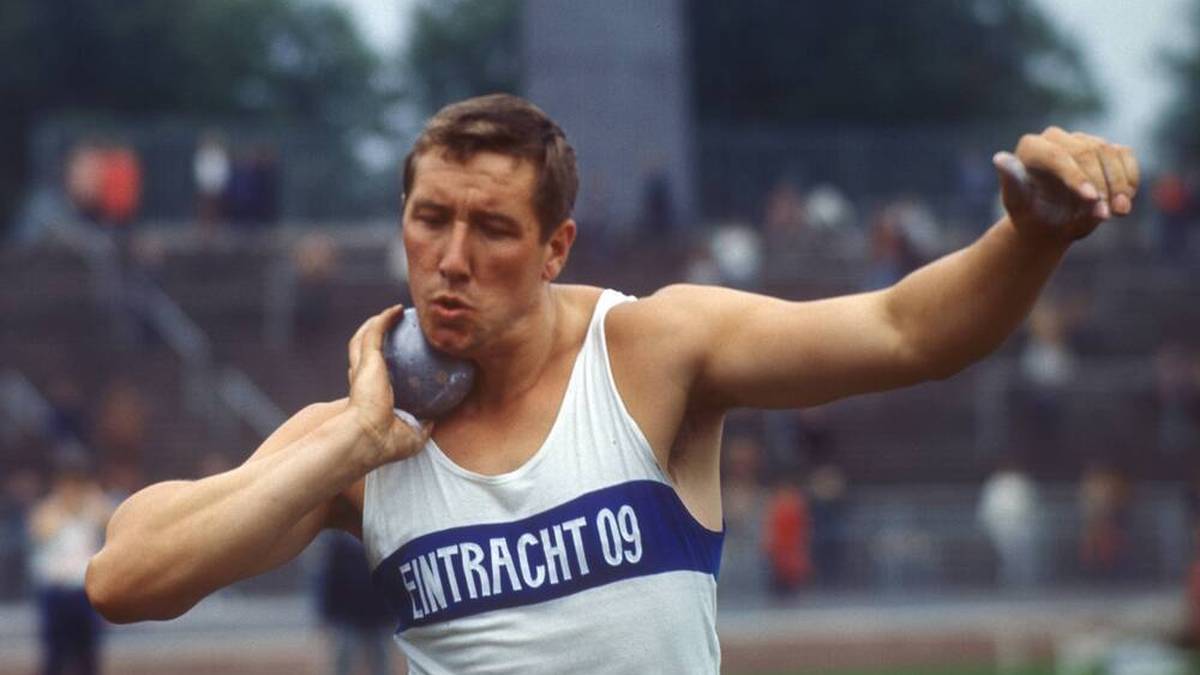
1015 183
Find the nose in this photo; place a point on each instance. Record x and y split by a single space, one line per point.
455 262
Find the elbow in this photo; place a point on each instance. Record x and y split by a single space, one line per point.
117 599
102 593
936 366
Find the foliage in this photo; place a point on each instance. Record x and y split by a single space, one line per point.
284 60
882 62
1180 128
463 48
784 62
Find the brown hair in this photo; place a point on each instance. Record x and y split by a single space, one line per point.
508 125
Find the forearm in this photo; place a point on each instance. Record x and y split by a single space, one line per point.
959 308
174 543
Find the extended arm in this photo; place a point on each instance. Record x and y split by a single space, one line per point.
173 543
750 350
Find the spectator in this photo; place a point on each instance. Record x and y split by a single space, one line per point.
66 528
315 259
737 251
657 211
121 422
828 211
1008 511
264 167
892 255
975 189
353 609
1177 389
211 169
784 220
788 537
19 491
1048 366
67 411
120 186
253 190
1192 637
1104 506
1175 203
827 490
743 504
84 177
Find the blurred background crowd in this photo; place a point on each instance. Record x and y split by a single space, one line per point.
199 203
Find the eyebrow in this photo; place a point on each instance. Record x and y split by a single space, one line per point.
495 215
429 205
442 209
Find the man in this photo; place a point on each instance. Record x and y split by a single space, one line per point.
586 456
66 528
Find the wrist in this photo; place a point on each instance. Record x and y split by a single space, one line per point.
1036 238
362 448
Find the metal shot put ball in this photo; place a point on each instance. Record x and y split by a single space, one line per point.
426 383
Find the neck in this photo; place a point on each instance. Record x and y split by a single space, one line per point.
516 362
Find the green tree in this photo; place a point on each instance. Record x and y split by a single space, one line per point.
462 48
296 61
882 62
1179 131
786 62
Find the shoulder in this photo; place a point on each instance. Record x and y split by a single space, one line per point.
577 298
676 313
665 336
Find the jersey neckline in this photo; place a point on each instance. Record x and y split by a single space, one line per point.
442 458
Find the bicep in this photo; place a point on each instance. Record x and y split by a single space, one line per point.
771 353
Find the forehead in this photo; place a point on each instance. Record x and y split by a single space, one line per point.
485 176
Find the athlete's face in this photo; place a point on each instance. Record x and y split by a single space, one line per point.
476 261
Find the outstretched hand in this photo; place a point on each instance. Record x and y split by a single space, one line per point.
1061 185
371 398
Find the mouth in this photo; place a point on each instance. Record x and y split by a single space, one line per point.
449 306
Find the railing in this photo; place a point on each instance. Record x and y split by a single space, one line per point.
187 340
26 410
22 405
929 539
242 397
207 393
203 391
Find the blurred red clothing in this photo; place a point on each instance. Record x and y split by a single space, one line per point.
120 186
788 538
1193 603
1171 194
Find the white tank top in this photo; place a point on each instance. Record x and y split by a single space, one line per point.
583 560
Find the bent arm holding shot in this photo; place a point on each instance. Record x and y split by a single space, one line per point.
752 350
173 543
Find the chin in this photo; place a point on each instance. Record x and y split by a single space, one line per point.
450 340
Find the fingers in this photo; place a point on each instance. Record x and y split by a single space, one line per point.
1119 189
355 348
1133 172
352 347
374 330
1040 153
1104 174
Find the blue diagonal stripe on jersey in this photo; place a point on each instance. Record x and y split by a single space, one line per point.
624 531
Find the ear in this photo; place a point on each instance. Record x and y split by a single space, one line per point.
557 249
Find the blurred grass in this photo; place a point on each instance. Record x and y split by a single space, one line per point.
961 670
